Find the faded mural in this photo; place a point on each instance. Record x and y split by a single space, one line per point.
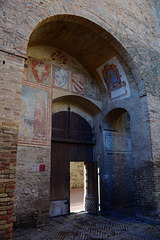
114 79
60 79
92 90
59 58
78 84
34 115
39 72
75 83
114 142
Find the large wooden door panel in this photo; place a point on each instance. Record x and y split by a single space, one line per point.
60 172
60 180
80 152
72 140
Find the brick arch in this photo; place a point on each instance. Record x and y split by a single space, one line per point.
34 14
84 104
114 114
103 30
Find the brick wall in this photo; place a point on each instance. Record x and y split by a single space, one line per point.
10 95
76 175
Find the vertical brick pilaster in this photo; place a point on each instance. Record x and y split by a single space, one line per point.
10 97
7 187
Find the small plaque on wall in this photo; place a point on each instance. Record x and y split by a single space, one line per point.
42 168
36 168
114 142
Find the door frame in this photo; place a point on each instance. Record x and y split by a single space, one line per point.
79 149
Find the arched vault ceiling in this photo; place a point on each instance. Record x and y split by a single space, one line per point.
88 43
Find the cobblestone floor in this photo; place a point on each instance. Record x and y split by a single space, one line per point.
90 227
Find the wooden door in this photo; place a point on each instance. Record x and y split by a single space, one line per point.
72 140
60 183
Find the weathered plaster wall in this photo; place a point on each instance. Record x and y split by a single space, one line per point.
32 193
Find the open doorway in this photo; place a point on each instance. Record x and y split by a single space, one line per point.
72 142
77 187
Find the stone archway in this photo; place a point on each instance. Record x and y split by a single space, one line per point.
69 65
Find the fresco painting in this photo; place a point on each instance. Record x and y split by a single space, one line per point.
59 58
78 83
39 72
60 78
91 88
40 115
114 79
33 117
114 142
116 87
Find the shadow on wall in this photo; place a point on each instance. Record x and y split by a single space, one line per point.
129 181
118 160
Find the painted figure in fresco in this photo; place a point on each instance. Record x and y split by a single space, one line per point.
40 116
24 129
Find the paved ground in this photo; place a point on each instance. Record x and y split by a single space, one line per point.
77 199
90 227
